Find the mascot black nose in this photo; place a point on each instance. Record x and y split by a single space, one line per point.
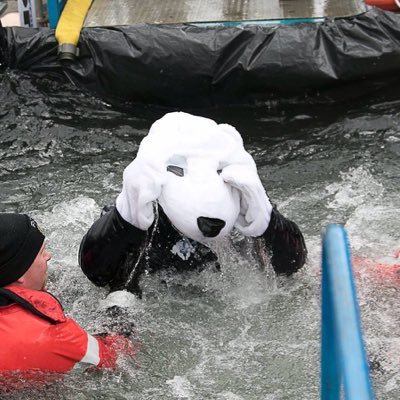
210 227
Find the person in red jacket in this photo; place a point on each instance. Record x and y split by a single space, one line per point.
35 334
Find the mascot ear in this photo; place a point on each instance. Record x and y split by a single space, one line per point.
232 131
142 185
255 207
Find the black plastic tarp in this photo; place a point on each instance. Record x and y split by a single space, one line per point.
187 65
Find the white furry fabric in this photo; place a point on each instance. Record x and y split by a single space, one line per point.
194 168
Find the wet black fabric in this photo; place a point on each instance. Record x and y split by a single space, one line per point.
285 243
184 65
116 253
104 249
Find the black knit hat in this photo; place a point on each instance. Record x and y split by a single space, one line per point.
20 242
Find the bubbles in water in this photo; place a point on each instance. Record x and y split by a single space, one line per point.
259 283
356 186
180 386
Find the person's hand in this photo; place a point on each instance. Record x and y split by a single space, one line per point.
117 313
114 345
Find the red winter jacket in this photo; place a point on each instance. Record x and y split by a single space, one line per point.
44 339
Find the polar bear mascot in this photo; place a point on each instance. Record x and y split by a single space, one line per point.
192 182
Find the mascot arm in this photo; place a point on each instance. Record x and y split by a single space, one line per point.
285 243
105 247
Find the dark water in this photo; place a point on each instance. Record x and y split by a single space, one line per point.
236 335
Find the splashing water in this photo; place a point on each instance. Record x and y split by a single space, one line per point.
240 333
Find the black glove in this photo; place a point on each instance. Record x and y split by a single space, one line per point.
285 243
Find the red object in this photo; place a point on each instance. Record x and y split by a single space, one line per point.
30 342
390 5
382 271
113 346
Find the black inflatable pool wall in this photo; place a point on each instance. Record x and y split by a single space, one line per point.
183 65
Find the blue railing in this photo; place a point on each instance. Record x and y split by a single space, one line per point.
54 8
343 359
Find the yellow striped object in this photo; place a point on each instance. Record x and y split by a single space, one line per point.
70 23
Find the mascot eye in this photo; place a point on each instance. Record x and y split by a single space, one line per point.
178 171
219 171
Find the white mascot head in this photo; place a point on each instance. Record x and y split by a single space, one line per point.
200 174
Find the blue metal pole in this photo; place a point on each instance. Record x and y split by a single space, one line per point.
330 374
340 312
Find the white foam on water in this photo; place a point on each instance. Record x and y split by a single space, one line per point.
230 396
180 387
64 226
243 280
120 298
355 187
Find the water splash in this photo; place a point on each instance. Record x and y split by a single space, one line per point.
235 334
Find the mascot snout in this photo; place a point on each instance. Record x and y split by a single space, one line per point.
210 227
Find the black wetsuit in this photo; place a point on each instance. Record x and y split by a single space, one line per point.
116 253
